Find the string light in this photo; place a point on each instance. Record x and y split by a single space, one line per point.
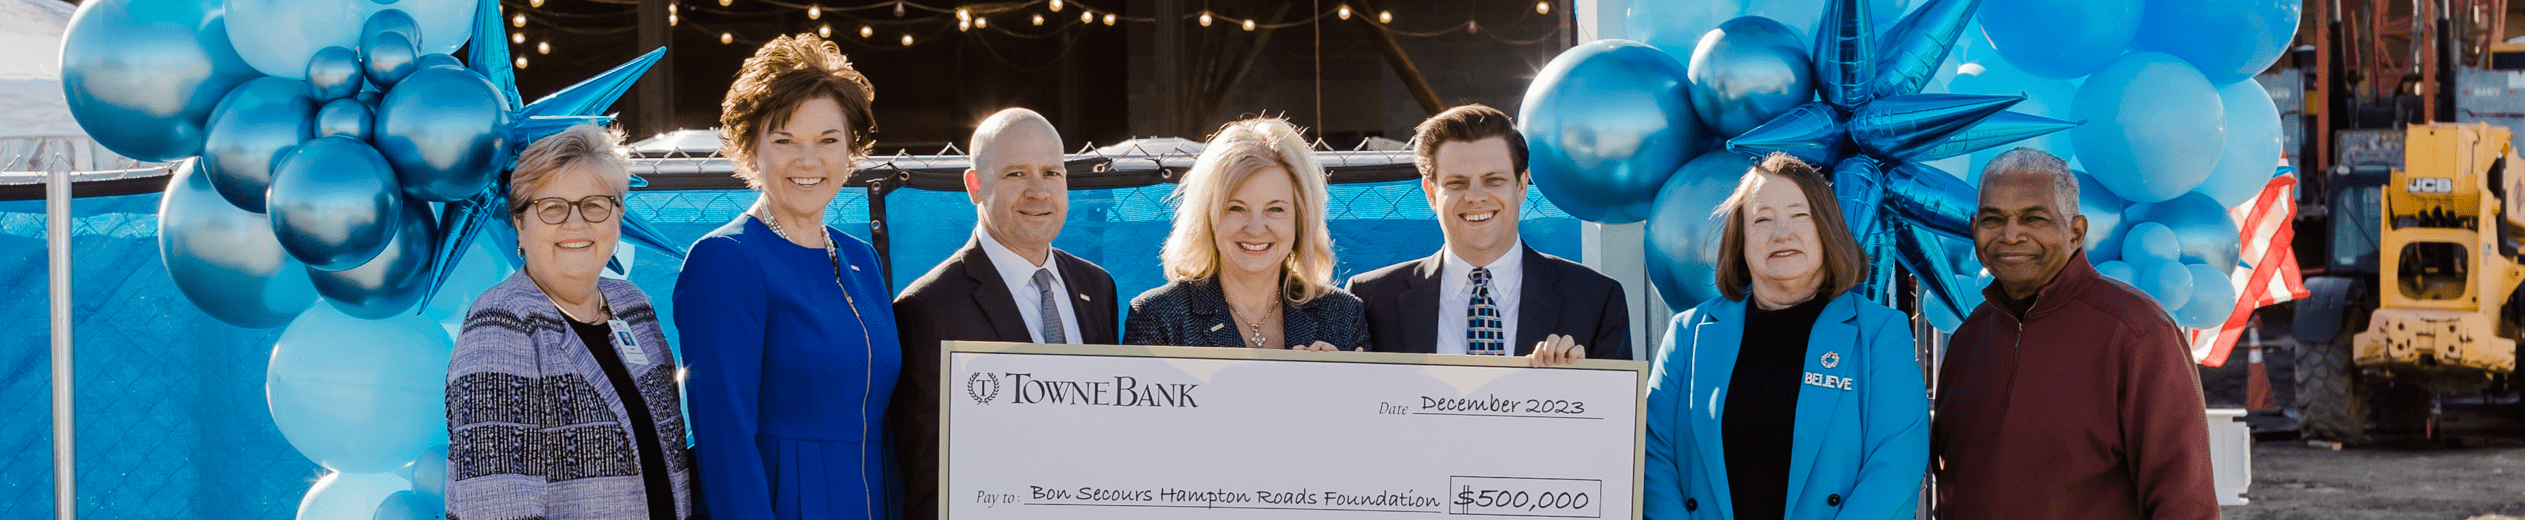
824 30
517 38
1249 25
1344 11
535 3
1472 27
898 11
1038 19
1086 16
725 38
1543 7
964 25
519 20
724 3
1108 19
907 40
1384 17
982 23
963 14
1205 18
814 12
670 19
543 47
867 32
521 63
1056 6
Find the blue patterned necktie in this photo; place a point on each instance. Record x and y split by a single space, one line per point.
1482 328
1044 306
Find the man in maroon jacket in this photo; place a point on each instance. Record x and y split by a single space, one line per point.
2066 394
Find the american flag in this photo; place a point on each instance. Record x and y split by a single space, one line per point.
2268 275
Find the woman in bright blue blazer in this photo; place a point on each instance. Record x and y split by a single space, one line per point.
1789 396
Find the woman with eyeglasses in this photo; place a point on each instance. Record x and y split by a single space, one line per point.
561 396
788 322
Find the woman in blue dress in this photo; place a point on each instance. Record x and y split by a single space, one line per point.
786 323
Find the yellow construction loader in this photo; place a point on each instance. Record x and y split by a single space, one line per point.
2426 338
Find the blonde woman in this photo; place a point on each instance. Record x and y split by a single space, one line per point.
1250 262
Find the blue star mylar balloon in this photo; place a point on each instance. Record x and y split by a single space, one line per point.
1876 131
462 220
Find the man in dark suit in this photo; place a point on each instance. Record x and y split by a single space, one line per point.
1485 292
1006 284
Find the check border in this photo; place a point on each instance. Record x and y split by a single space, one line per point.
946 417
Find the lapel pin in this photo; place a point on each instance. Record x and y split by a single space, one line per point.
1083 297
1832 359
1216 327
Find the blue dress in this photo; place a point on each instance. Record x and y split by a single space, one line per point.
790 374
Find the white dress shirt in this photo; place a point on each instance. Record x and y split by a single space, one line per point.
1020 277
1455 297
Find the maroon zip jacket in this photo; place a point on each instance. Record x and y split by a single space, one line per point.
2087 408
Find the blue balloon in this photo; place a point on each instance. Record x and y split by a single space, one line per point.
1845 54
2169 282
335 203
1901 126
390 283
1814 132
1683 233
346 117
1916 47
1806 17
2209 235
334 73
278 36
254 126
386 55
349 495
408 505
1746 72
2060 39
2213 299
1947 320
2044 97
435 60
2151 242
2104 216
429 475
446 133
226 260
441 26
2228 40
364 406
142 76
2153 127
2252 152
2118 270
1606 122
1676 27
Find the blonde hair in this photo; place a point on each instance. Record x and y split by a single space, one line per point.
1233 155
587 145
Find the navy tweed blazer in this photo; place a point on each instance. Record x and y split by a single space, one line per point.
1194 313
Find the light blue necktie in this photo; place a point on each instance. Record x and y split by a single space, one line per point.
1045 306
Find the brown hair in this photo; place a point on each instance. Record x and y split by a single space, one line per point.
1466 124
1844 265
785 73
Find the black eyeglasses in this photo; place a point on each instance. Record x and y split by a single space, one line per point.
593 209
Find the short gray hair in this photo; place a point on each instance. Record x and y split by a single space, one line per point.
586 145
2029 160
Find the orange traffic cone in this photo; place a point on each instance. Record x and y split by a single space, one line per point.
2257 382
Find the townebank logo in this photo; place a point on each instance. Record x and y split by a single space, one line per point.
1025 388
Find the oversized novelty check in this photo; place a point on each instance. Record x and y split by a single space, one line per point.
1110 432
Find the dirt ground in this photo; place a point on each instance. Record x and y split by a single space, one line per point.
2294 481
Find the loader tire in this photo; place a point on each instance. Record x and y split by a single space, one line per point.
2331 399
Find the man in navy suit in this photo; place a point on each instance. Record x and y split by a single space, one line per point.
1007 284
1485 292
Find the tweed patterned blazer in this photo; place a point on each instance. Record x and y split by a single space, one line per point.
1194 313
536 431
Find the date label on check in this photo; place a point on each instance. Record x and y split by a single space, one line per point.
1526 497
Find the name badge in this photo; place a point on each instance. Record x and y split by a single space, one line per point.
623 342
1830 381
